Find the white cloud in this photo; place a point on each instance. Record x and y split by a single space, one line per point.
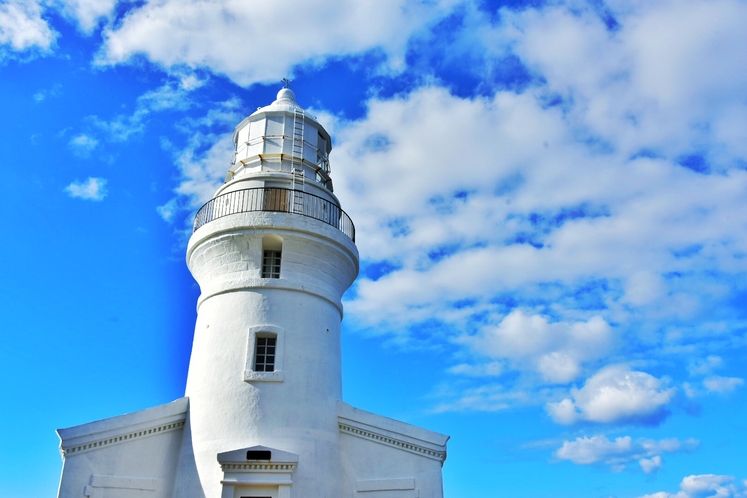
560 215
82 144
168 210
492 369
88 13
415 178
172 95
705 485
588 450
487 398
643 288
44 94
649 465
92 189
669 67
722 384
22 27
260 42
619 452
614 394
702 366
555 350
204 161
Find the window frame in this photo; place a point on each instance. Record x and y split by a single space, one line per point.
271 270
266 342
260 331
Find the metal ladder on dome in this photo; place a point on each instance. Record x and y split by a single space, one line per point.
299 177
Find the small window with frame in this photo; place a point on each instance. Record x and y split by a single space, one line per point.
272 252
271 264
264 354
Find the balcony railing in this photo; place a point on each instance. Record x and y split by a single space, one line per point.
280 200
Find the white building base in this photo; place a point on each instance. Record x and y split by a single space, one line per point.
137 455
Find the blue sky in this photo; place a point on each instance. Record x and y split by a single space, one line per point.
550 202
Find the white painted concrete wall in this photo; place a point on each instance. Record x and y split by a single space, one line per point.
299 414
388 458
129 455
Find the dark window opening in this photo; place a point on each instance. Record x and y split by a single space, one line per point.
264 357
259 455
271 264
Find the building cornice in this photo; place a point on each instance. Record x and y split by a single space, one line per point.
173 426
145 423
258 467
388 440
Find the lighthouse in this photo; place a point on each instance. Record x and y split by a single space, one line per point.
263 415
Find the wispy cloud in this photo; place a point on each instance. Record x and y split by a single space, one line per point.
174 94
617 453
204 160
722 384
696 486
485 398
44 94
82 145
92 189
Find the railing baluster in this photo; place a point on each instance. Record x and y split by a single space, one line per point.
274 199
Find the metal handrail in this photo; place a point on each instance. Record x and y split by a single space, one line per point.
273 199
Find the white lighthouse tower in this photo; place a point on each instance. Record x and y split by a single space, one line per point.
262 416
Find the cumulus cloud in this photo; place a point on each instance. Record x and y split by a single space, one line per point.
615 394
459 229
555 350
88 13
92 189
272 40
594 204
23 29
617 453
648 83
649 465
700 486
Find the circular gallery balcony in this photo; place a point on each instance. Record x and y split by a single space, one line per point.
281 200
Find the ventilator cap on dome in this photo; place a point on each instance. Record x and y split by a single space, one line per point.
285 94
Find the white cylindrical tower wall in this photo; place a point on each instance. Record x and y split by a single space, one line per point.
293 408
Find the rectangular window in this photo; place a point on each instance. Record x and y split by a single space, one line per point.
271 264
264 357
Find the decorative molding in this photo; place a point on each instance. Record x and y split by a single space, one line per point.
267 467
93 445
391 441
